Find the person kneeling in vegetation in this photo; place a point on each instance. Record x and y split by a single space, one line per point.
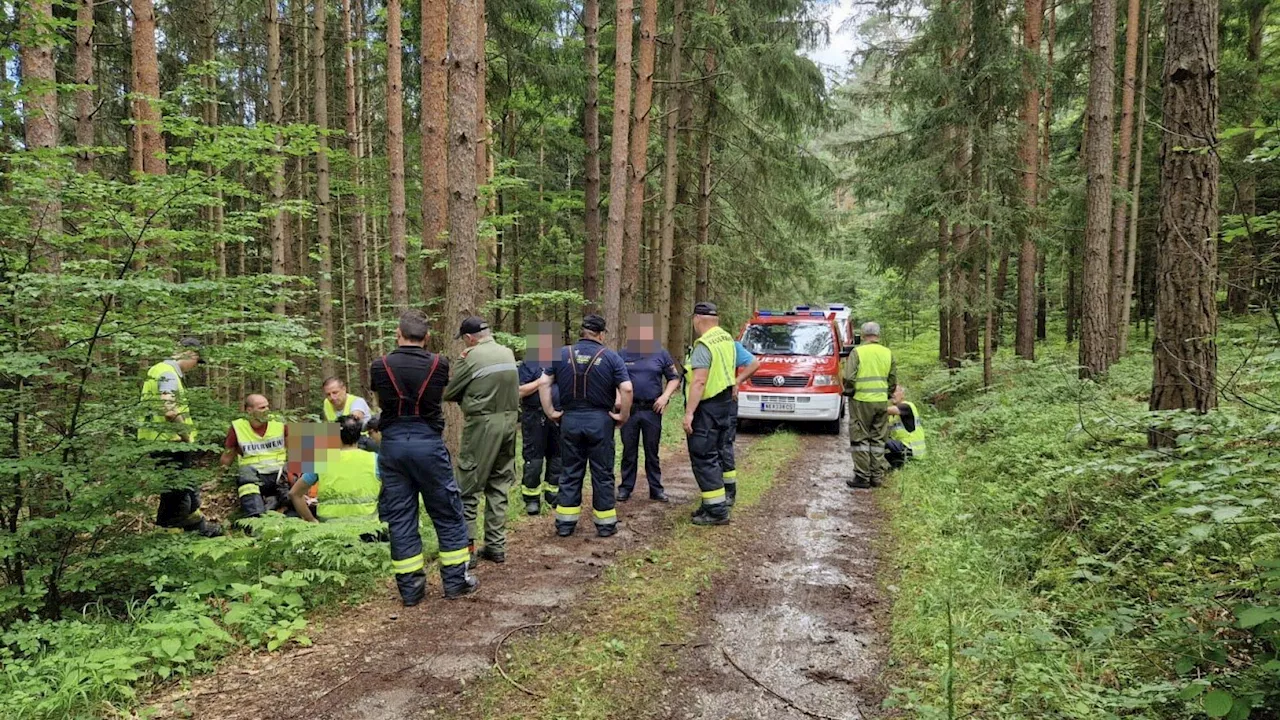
906 432
259 442
351 484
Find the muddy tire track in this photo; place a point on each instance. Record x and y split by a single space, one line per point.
380 661
801 612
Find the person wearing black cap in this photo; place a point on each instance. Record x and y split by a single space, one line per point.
593 381
413 462
168 421
486 386
709 410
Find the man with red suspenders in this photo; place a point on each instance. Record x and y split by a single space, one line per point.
413 462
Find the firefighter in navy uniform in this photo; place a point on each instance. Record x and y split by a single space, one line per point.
654 379
708 412
593 381
540 437
413 462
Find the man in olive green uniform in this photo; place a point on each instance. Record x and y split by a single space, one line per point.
869 375
485 382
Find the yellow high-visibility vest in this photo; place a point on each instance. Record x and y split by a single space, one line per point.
872 381
913 439
349 485
152 401
264 453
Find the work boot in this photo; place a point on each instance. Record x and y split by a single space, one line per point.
730 493
565 529
468 586
209 529
472 558
413 587
493 555
857 483
607 530
624 494
532 506
712 516
659 496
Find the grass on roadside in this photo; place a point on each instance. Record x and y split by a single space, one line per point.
604 659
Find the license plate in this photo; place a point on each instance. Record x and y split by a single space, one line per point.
786 405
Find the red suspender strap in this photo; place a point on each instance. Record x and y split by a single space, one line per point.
435 361
395 384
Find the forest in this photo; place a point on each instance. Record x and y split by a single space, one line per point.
1065 215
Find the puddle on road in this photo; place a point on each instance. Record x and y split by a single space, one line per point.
802 623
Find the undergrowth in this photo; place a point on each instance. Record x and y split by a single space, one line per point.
1050 565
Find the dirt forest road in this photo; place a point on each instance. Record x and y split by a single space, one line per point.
798 611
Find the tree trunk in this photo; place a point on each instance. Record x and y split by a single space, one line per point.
1001 289
1073 296
464 70
944 332
324 228
358 267
618 179
1046 144
591 133
40 113
678 323
1042 302
1131 253
702 290
989 330
639 164
1025 341
209 111
670 173
1186 353
1242 267
488 243
1095 328
146 86
275 109
1119 228
395 159
434 147
84 79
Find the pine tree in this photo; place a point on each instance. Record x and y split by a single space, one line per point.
1095 352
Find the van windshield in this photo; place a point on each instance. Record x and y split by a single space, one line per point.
811 338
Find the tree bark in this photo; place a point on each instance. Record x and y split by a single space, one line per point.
1046 144
275 109
1025 340
1095 352
358 267
395 159
1242 262
618 179
324 228
1001 289
464 70
702 282
209 112
639 164
944 332
591 133
1136 191
434 147
40 114
678 324
1186 353
1119 229
670 177
149 140
85 90
490 265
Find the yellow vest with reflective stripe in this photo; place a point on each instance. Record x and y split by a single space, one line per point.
721 375
349 485
151 400
872 382
913 439
264 453
331 416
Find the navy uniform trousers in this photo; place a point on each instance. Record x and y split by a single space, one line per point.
712 422
541 452
647 424
413 462
586 438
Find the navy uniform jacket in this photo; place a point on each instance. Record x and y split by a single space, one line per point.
588 375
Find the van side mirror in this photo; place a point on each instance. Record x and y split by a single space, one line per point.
846 351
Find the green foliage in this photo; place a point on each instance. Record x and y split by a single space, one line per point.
1090 577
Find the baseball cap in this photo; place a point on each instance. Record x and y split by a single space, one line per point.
705 308
193 345
594 323
472 325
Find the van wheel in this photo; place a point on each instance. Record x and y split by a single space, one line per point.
843 407
829 427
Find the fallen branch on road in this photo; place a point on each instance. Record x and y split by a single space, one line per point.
497 650
787 701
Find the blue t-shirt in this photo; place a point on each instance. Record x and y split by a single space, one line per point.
742 357
530 371
649 372
595 370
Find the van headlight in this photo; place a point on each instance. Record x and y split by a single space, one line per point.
824 380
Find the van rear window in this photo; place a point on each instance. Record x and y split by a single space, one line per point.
812 339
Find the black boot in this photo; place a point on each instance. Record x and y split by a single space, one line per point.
531 505
457 581
712 515
730 493
412 587
492 555
564 529
858 483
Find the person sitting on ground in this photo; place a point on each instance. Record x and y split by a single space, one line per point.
906 433
351 484
259 442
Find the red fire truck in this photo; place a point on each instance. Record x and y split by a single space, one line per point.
800 354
